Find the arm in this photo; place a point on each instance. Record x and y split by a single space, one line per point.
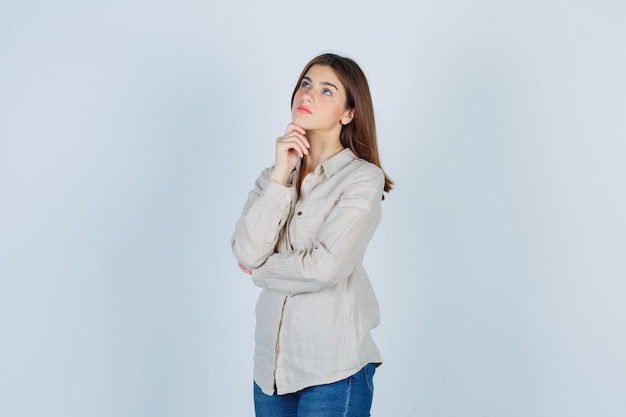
340 245
264 215
268 205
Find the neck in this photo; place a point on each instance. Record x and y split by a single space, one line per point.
322 148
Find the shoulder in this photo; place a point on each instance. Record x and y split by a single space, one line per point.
355 164
362 170
362 180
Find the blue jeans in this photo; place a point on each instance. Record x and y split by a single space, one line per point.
350 397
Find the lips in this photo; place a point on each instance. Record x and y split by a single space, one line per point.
304 110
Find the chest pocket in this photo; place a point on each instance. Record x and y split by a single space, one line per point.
308 219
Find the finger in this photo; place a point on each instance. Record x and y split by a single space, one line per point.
299 144
294 146
299 137
292 127
244 269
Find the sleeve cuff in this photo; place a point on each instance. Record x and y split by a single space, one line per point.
278 192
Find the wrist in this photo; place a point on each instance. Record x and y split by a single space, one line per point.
278 176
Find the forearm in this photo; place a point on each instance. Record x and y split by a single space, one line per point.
331 259
258 229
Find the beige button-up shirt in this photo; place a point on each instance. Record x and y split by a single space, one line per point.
317 306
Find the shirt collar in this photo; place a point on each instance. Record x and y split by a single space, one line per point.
328 167
336 162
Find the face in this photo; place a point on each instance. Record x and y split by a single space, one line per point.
320 102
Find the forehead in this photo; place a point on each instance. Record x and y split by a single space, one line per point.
323 74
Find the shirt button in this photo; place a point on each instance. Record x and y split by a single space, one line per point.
299 213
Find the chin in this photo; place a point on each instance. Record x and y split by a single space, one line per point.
300 121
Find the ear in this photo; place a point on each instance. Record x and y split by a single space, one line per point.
348 116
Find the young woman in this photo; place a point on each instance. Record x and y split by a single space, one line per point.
302 237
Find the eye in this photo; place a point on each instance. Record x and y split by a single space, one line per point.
306 84
327 92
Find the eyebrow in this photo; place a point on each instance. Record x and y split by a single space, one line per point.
321 82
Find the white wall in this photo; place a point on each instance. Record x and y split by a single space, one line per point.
131 131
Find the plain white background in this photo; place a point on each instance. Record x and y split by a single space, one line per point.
131 132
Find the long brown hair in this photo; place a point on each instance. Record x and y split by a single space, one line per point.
360 134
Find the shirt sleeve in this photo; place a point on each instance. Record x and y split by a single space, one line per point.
340 246
264 215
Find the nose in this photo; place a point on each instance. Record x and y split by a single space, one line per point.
307 97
